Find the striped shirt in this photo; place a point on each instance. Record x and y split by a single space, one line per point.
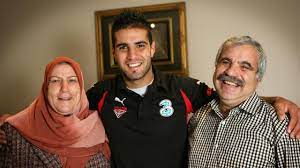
251 136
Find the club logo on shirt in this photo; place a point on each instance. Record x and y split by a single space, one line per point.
167 109
120 110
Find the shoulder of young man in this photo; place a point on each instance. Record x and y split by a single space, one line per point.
196 91
195 87
179 81
95 93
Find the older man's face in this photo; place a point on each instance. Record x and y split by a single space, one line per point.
235 76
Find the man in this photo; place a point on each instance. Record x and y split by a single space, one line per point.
239 129
144 111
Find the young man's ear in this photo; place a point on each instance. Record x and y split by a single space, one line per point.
113 51
114 55
152 49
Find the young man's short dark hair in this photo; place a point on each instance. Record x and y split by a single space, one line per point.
130 19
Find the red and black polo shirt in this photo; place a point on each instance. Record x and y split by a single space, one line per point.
148 131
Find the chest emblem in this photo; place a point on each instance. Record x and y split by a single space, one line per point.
119 108
166 109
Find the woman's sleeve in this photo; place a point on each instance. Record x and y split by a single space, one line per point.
5 151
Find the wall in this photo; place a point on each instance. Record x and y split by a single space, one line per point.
33 32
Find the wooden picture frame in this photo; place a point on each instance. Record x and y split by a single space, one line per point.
169 34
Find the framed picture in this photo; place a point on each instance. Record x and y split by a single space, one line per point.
168 30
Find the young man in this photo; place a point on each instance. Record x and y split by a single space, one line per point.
144 111
239 129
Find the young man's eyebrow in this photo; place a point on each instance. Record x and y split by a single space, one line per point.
141 42
121 44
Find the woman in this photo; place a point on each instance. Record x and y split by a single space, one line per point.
57 129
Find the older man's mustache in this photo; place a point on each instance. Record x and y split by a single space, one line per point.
224 77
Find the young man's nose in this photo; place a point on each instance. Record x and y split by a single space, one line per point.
132 53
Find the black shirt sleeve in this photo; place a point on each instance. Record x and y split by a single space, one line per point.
94 94
198 92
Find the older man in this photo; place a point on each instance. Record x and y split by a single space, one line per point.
239 129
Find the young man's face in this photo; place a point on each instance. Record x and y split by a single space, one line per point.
238 65
133 53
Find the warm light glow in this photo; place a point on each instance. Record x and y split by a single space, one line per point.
152 25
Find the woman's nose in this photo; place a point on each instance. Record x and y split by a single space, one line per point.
64 86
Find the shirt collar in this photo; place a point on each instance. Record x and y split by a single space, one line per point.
121 85
159 79
251 105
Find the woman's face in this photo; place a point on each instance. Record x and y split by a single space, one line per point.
63 90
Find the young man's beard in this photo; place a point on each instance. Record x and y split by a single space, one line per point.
137 76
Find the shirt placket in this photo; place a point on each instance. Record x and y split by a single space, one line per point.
219 138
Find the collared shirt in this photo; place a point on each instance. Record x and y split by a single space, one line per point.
251 136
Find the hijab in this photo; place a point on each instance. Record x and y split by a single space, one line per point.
74 138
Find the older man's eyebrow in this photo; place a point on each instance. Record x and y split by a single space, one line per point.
248 64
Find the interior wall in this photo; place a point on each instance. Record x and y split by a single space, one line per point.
33 32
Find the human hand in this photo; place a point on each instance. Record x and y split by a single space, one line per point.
283 106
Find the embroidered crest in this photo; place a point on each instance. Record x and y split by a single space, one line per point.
120 110
167 109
